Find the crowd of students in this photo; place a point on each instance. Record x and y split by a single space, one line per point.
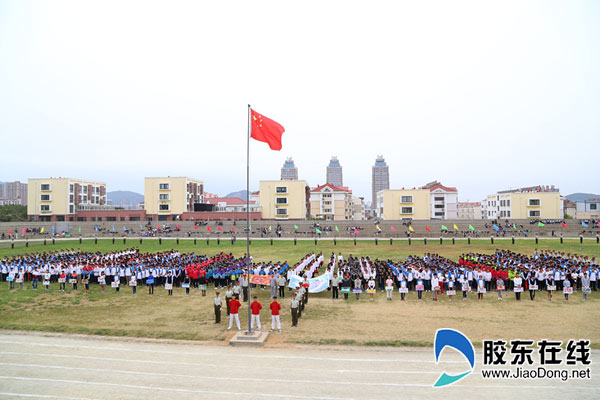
501 272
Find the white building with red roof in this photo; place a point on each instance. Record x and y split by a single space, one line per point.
332 203
444 200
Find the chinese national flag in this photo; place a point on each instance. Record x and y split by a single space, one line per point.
266 130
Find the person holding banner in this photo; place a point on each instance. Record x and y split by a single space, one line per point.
169 280
389 288
518 282
567 288
465 287
187 281
480 288
294 306
133 284
585 285
346 286
532 285
403 287
550 286
357 287
116 283
371 287
451 290
234 308
499 287
62 279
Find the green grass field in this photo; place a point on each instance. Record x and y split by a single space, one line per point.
361 322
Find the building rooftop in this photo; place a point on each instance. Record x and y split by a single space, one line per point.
533 189
227 200
332 187
380 161
437 185
334 162
470 204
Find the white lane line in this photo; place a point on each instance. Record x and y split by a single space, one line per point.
217 378
24 378
516 386
42 396
236 355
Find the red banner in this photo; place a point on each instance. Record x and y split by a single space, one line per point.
259 279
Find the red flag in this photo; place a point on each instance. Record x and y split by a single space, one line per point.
9 231
427 228
195 227
219 228
265 130
208 227
394 229
233 229
24 230
565 225
178 227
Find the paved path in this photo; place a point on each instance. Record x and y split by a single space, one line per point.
47 366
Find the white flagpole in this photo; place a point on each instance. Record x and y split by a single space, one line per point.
248 220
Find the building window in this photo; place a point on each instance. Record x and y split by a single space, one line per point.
406 199
164 186
71 198
508 214
327 210
164 207
111 219
281 200
71 188
327 202
326 194
593 206
533 202
71 209
438 206
507 203
81 219
534 213
281 189
164 196
438 198
407 210
134 218
45 197
282 211
45 186
45 207
439 214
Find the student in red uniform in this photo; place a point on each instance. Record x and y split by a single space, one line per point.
234 308
256 307
275 307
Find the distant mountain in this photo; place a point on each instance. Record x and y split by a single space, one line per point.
582 196
117 197
242 194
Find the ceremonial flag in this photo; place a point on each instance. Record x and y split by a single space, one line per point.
564 225
124 229
356 231
295 226
336 229
541 224
219 228
195 227
393 229
141 227
96 228
208 227
471 227
269 228
496 228
427 228
378 228
24 229
9 231
410 228
584 224
113 228
514 226
42 230
598 224
266 130
444 228
233 229
79 229
455 227
318 230
178 227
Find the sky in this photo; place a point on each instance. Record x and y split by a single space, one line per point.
479 95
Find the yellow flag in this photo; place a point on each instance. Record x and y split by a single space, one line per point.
410 228
269 227
455 227
42 230
378 228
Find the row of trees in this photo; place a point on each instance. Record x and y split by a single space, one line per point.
13 213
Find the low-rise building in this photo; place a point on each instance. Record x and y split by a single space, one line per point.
534 202
168 198
412 204
284 199
332 203
358 208
587 209
470 210
444 200
231 204
59 199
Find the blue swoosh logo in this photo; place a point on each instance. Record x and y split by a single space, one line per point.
458 341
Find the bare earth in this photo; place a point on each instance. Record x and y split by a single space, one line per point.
37 365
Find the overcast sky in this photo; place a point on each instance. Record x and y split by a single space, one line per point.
480 95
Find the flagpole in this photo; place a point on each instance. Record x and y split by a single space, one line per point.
248 219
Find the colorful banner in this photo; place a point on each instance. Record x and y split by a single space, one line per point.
260 279
315 285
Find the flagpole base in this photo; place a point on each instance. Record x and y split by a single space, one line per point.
251 339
